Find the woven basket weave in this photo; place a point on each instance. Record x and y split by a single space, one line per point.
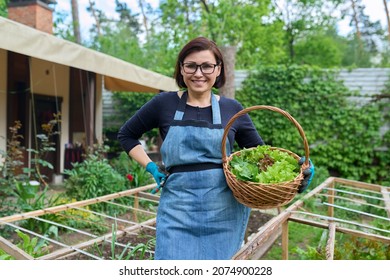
259 195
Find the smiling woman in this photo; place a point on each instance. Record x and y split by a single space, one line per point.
198 216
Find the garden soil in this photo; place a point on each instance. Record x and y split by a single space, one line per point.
256 220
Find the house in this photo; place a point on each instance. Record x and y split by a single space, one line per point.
41 74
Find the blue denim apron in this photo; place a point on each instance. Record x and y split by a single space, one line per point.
198 216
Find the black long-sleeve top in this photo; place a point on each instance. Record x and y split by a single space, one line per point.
159 113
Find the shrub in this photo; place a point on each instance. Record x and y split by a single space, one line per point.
92 178
344 136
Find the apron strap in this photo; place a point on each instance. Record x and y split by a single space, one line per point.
215 109
182 107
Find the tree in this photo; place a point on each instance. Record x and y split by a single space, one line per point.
96 15
387 18
323 49
343 134
76 21
117 37
302 18
228 21
225 22
366 35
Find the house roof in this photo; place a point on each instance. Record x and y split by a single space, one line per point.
118 75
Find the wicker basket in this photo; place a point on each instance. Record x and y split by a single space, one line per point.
258 195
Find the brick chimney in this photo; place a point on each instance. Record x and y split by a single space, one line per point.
34 13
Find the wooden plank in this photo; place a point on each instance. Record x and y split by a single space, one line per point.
261 251
357 202
136 206
260 240
331 200
261 237
285 240
149 196
63 207
13 250
374 237
386 198
359 184
331 241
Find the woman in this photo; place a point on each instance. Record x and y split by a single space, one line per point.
197 217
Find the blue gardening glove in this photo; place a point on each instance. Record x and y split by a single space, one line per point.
158 176
308 175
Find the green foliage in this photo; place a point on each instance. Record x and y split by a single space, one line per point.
126 104
45 145
4 256
264 165
80 219
348 248
299 236
125 166
302 238
354 248
264 32
32 246
343 136
139 252
92 178
320 50
30 198
11 161
310 253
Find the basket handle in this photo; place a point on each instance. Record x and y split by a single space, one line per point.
264 107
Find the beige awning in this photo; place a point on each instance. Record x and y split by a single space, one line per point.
118 74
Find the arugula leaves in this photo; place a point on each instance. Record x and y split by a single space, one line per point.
264 165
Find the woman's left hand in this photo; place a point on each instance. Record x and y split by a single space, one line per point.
308 174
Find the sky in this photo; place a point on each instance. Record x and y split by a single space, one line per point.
374 8
108 6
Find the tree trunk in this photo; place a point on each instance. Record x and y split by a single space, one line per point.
76 21
95 16
229 57
356 22
144 19
388 19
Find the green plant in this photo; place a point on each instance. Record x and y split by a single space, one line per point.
354 248
299 236
4 256
31 246
125 105
348 248
343 135
310 253
11 161
92 178
45 145
30 198
138 252
264 165
15 180
126 166
78 218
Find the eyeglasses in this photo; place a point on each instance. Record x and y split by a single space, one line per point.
205 68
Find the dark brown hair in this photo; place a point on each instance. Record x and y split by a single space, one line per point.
197 45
